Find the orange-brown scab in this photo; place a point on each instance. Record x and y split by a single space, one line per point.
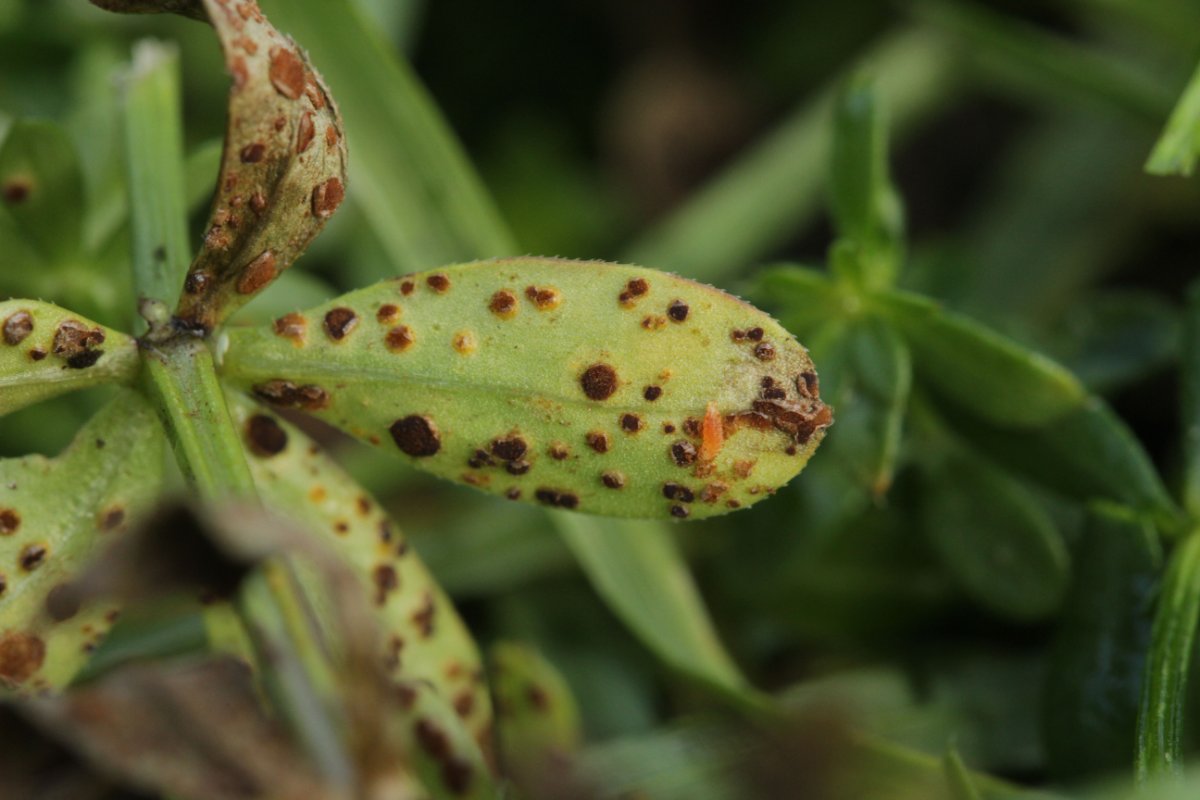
764 351
326 198
743 469
416 435
712 433
407 287
286 394
557 498
399 339
544 298
559 451
257 274
509 448
10 521
678 311
258 202
475 479
675 491
21 655
597 440
331 137
635 288
37 354
32 556
253 153
599 381
503 304
439 282
292 326
613 479
287 73
317 494
77 343
305 132
423 617
631 423
314 94
683 453
388 313
111 518
17 327
464 343
386 581
340 322
713 491
654 322
264 436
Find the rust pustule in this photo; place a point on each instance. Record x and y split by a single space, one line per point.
111 518
17 327
503 304
285 394
764 351
654 322
557 498
305 132
37 354
509 448
675 491
21 655
287 73
517 467
464 343
16 191
339 322
399 339
387 313
77 343
683 453
439 282
559 451
292 326
636 288
630 423
544 298
32 556
423 617
326 198
416 435
680 512
513 493
613 479
652 393
599 381
10 521
678 311
386 581
799 420
257 274
407 287
597 440
253 153
265 436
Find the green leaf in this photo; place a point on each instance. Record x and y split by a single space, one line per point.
962 785
55 514
803 298
410 176
864 203
1190 413
1098 656
41 189
425 640
574 384
1177 148
637 569
995 539
153 137
1160 726
538 722
46 351
977 369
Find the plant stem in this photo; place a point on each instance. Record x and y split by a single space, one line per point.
1164 687
1190 412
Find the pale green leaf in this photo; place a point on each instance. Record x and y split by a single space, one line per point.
46 351
579 385
55 515
1176 150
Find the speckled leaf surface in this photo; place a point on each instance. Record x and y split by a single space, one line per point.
424 638
283 169
46 351
609 389
55 514
538 721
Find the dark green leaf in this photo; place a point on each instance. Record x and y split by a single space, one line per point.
1190 413
41 189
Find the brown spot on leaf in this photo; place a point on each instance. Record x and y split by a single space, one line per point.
32 556
439 282
680 512
399 339
509 448
423 617
503 304
633 290
285 393
677 311
652 393
675 491
764 351
292 326
559 451
599 381
654 322
62 602
287 73
253 153
557 498
16 190
407 287
631 423
742 469
513 493
597 440
21 655
10 521
517 467
464 703
258 202
613 479
464 343
683 453
416 436
17 327
387 313
257 274
265 437
712 491
77 343
112 518
386 581
339 322
305 132
326 198
545 298
37 354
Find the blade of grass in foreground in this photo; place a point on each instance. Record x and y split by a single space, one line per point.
408 172
1176 150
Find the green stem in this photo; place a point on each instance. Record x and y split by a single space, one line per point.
1190 415
1164 687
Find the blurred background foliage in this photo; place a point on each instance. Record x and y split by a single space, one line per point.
908 584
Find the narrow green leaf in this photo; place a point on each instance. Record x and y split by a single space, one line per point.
425 638
638 570
1160 726
55 514
46 351
1190 415
958 778
864 203
153 138
611 389
802 298
1177 148
410 176
41 189
986 374
538 723
1098 656
995 539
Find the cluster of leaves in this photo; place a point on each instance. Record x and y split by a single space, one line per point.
971 485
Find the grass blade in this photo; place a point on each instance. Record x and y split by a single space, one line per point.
1191 402
1176 150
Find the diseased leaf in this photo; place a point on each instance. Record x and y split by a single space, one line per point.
537 718
47 351
41 189
994 538
425 640
605 388
54 515
283 171
984 373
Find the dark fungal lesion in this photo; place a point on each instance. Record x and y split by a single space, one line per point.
634 289
544 298
32 556
597 440
439 282
340 322
286 394
17 327
77 344
264 436
599 381
678 311
557 498
10 521
416 435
